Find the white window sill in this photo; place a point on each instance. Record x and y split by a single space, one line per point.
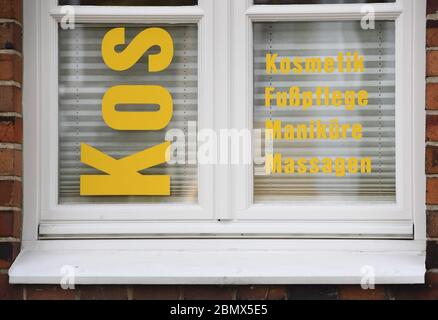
220 262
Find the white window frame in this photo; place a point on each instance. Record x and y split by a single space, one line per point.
309 247
408 174
50 16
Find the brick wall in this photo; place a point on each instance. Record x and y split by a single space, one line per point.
11 197
432 140
10 139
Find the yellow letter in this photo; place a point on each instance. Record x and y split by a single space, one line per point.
313 65
274 129
366 166
363 98
271 67
137 95
268 96
298 65
121 61
123 177
274 164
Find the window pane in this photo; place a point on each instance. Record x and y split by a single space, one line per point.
298 103
128 2
84 79
318 1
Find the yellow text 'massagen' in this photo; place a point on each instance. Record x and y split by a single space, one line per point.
278 164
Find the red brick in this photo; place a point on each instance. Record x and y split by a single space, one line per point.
253 293
432 37
432 160
432 6
11 9
432 96
11 130
357 293
208 293
432 191
11 68
432 128
10 224
432 278
412 292
432 255
321 292
10 194
156 293
11 36
277 293
6 224
103 293
8 252
432 63
10 99
10 162
9 292
49 292
432 224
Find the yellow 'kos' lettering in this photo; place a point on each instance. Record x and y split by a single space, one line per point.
136 95
123 177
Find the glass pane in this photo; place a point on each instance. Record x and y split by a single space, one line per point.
325 93
318 1
128 2
84 78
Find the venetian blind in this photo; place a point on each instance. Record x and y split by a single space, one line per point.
83 80
324 39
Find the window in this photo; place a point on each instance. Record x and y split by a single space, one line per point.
81 137
331 146
378 190
83 80
324 108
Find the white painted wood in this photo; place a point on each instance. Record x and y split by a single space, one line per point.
32 116
419 119
47 109
323 12
206 100
241 99
409 190
228 229
215 262
105 14
222 100
303 245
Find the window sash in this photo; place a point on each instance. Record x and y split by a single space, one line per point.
243 206
51 15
